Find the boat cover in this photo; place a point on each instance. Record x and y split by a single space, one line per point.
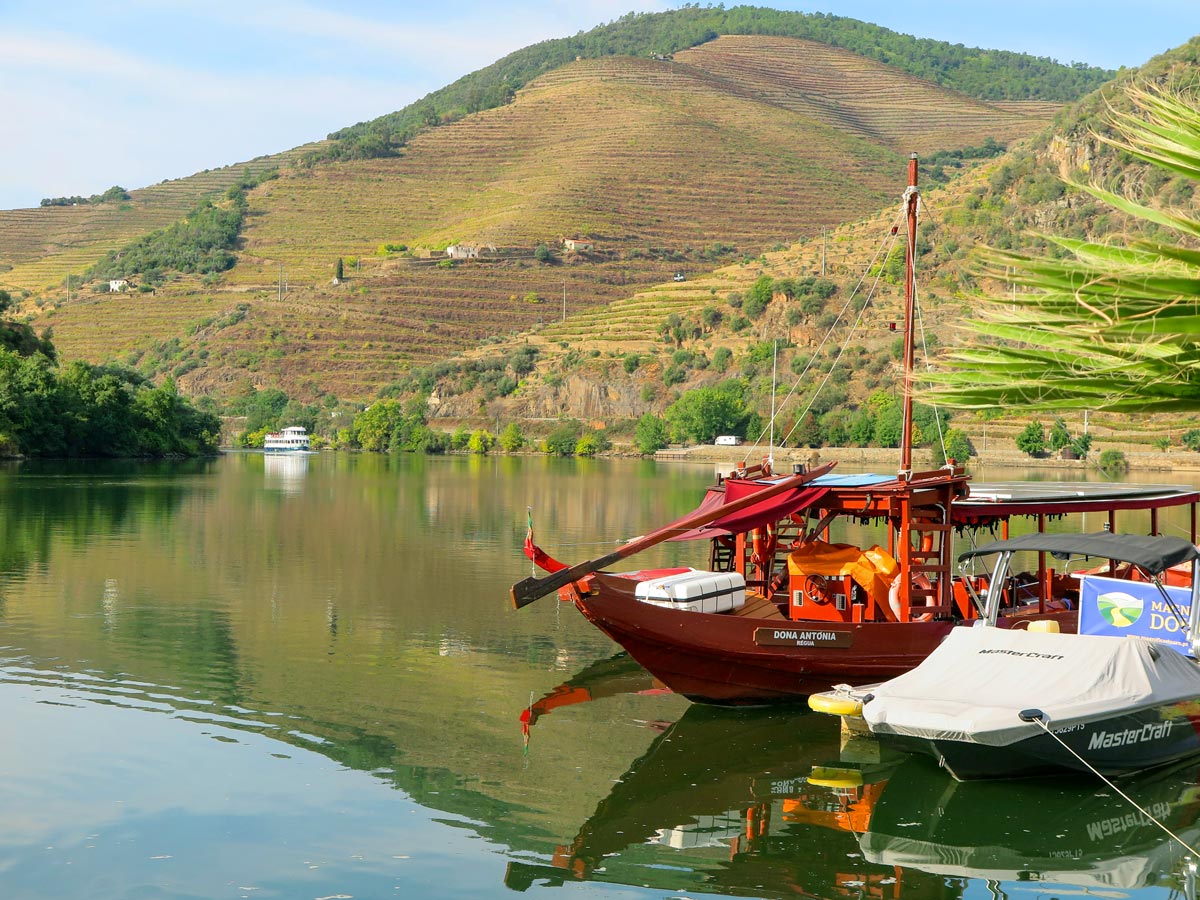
757 515
873 570
973 686
1154 553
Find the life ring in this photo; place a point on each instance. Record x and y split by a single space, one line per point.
763 542
918 581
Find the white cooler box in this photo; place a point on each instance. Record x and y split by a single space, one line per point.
697 591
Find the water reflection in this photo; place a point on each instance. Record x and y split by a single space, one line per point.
1071 831
285 471
773 803
282 679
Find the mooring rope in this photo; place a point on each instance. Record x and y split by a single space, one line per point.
1041 720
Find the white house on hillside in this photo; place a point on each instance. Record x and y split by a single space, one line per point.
117 285
462 251
577 244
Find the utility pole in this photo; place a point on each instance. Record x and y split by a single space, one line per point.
564 300
823 252
281 282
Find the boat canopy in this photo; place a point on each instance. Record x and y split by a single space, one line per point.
1153 553
990 502
757 515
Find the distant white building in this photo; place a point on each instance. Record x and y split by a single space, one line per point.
462 251
117 285
577 244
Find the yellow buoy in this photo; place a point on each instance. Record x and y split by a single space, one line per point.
832 777
836 703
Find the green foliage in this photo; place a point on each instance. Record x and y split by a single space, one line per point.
941 166
511 438
376 142
373 427
759 296
631 363
201 243
564 437
542 253
958 445
1032 439
721 359
460 438
262 409
90 411
481 442
1058 436
522 359
1191 439
389 425
1113 461
700 415
113 193
651 434
674 375
592 442
889 425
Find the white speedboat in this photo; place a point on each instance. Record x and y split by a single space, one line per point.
995 703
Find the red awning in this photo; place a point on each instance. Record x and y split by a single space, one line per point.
753 516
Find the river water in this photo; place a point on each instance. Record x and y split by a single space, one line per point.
301 677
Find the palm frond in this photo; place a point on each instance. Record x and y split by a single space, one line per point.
1104 326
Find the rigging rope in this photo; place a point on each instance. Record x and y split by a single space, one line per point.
845 343
888 241
937 413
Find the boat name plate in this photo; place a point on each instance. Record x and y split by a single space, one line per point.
802 637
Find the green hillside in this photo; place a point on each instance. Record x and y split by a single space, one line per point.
637 355
983 74
664 166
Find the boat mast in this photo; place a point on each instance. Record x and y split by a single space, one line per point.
911 200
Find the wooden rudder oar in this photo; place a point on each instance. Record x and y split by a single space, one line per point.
529 589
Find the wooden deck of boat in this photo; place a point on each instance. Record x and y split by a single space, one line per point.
759 607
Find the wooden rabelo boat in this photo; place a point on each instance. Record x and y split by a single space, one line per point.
780 611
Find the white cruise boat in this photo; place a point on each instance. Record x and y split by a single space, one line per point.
292 439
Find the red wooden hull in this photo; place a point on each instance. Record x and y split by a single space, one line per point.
715 658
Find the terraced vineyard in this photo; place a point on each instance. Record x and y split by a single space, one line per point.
745 142
860 96
634 322
40 246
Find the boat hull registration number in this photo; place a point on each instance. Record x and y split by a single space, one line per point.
802 637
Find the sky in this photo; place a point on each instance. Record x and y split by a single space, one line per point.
133 92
